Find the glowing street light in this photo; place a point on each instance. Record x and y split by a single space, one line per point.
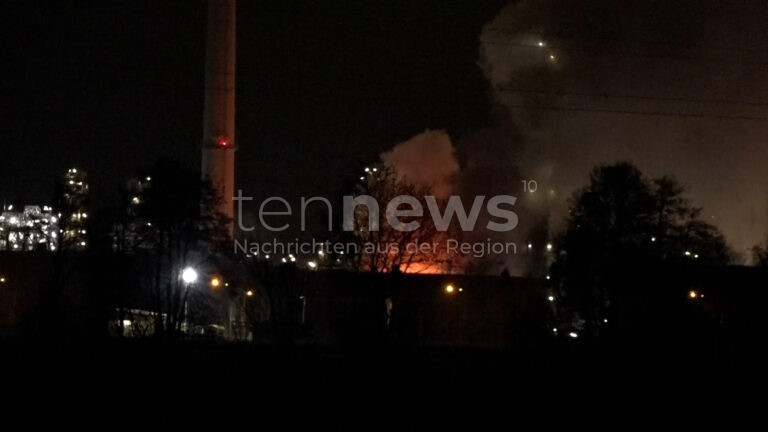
551 298
573 335
249 293
449 289
188 275
215 282
312 264
692 294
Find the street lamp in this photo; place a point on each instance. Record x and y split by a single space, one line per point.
188 275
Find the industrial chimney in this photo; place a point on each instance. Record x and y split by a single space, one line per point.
219 145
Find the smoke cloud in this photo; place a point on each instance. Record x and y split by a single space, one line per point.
571 81
427 159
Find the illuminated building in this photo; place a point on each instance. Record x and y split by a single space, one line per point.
31 229
128 232
72 210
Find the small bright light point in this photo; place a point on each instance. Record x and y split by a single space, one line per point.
249 293
312 264
149 178
692 294
687 253
320 252
215 282
549 246
126 323
284 260
449 288
374 170
266 256
551 298
135 200
573 335
696 256
541 44
547 277
653 239
551 56
362 178
461 289
605 320
293 259
530 246
2 280
554 330
189 275
367 169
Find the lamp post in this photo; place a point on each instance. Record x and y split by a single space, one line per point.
188 276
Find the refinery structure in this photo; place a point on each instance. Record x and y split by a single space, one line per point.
33 228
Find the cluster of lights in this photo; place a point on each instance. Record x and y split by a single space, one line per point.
29 228
450 289
552 57
369 171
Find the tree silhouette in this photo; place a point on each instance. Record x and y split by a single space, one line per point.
620 224
391 247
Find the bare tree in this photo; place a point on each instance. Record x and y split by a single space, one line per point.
423 249
179 226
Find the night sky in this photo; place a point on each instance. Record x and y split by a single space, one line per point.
324 87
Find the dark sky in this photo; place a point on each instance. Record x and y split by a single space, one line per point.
110 86
323 87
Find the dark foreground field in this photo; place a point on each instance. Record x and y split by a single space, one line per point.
565 385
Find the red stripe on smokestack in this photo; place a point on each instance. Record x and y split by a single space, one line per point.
219 145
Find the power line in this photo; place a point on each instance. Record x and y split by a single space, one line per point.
633 112
635 97
595 53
